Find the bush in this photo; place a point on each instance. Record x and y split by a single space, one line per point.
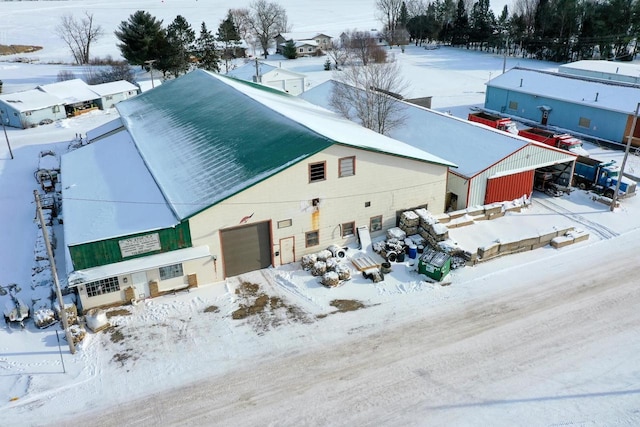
65 75
379 55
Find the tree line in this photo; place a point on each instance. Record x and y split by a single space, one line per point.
555 30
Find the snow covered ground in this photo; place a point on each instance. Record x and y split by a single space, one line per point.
547 337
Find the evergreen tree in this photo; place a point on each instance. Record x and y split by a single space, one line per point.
175 57
289 50
404 16
139 37
483 22
205 50
460 33
229 36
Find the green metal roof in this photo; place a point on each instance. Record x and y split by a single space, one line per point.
204 142
205 137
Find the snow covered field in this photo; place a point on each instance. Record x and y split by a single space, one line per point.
548 337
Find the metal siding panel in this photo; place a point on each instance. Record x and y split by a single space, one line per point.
509 187
105 252
246 248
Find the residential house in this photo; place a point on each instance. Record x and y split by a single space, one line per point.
213 177
307 44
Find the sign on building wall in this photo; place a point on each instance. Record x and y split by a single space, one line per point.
139 245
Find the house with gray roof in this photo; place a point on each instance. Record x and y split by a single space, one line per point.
307 43
211 177
585 106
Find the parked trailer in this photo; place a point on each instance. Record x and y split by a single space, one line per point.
493 121
602 176
558 140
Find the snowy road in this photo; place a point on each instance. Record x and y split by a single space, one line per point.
546 350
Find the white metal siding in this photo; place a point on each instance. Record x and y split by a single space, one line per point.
387 182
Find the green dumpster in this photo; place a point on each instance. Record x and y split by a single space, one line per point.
434 264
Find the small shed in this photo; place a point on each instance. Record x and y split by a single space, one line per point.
30 108
114 92
287 81
434 264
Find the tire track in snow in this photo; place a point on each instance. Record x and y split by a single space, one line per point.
599 229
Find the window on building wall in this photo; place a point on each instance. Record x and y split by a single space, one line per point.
312 238
375 223
285 223
27 113
170 271
583 122
109 97
102 286
301 50
513 105
56 109
348 229
317 171
347 166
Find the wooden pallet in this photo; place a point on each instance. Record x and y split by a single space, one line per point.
364 262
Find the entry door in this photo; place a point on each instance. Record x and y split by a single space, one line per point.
545 117
140 284
287 250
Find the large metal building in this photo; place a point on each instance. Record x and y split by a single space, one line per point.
588 107
207 177
493 166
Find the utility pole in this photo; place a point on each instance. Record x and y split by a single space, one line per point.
506 48
624 159
5 133
54 272
150 62
258 77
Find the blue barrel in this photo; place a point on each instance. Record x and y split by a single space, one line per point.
413 251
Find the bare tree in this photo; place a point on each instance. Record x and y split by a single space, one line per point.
267 20
242 22
389 13
416 7
79 35
370 95
337 52
361 46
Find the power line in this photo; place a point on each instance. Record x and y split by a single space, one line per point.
269 202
